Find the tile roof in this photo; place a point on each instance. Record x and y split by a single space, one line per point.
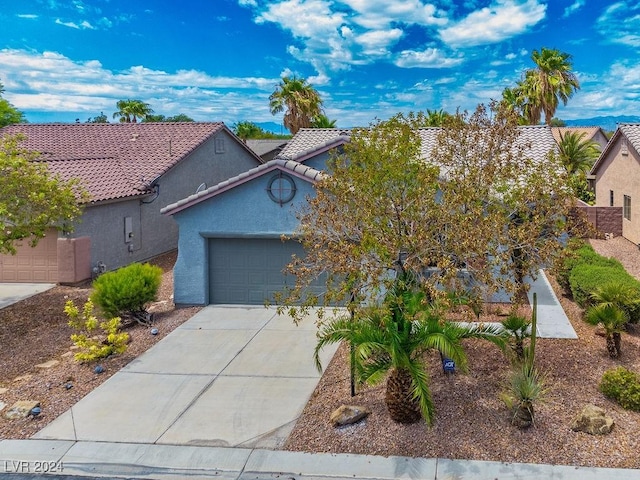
289 166
589 132
264 146
113 160
631 131
312 141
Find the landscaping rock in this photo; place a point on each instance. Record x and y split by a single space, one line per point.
348 414
2 405
21 409
22 378
3 390
592 420
49 364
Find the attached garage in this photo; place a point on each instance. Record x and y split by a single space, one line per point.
249 270
37 264
230 249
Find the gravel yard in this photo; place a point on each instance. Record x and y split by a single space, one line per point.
471 420
35 331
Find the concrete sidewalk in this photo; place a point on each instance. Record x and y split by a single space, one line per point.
169 462
11 293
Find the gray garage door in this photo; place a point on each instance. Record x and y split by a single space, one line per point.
249 270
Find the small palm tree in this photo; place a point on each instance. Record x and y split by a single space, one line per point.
612 320
392 340
518 328
577 153
322 121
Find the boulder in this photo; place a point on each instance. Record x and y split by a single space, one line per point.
592 420
348 414
21 409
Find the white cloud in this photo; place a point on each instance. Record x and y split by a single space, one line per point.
84 25
427 58
377 42
88 88
620 23
379 14
500 21
574 7
28 16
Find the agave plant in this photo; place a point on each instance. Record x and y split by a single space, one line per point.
392 338
526 387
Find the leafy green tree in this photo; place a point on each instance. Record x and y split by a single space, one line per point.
9 114
393 339
181 117
322 121
383 208
31 199
102 118
246 130
130 111
299 100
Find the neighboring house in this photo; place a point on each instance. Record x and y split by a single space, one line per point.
616 174
595 134
230 248
130 170
267 149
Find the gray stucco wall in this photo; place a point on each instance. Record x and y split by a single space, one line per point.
319 162
245 211
154 233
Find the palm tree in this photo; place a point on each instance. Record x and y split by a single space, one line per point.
129 111
245 130
576 153
436 118
300 100
612 305
518 328
392 339
549 83
322 121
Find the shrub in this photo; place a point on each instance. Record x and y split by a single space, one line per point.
586 278
126 291
623 386
577 253
93 345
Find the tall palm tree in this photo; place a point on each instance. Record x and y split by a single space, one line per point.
436 118
392 339
577 153
300 101
549 83
130 111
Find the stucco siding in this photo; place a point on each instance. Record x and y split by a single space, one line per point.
152 232
245 211
621 174
319 162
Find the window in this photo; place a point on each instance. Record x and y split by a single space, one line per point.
611 198
219 145
626 209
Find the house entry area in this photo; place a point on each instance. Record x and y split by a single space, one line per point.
249 270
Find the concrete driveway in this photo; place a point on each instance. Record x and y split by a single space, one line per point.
229 376
11 293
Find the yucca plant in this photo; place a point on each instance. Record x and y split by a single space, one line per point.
392 338
526 387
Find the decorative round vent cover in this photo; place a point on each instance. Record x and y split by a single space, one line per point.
281 188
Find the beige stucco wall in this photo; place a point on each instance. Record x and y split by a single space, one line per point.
621 173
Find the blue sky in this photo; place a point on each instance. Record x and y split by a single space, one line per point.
219 60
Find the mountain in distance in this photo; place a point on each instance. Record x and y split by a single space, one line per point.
273 127
608 124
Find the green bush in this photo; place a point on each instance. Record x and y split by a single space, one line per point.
586 278
623 386
577 253
125 292
95 339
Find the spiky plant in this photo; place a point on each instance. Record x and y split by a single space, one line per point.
391 339
612 320
526 387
